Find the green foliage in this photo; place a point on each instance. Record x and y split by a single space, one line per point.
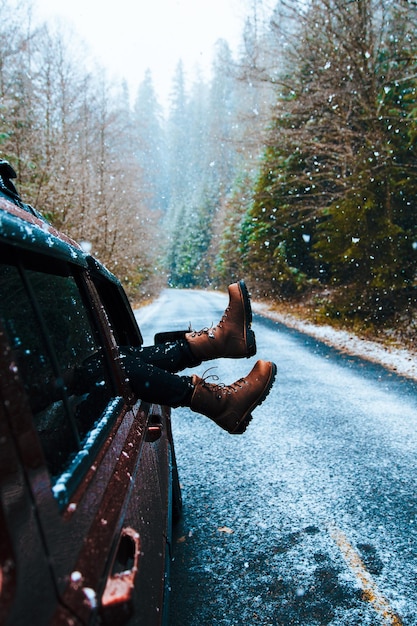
228 263
336 198
187 260
277 231
331 204
206 147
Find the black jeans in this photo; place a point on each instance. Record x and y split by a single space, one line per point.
151 371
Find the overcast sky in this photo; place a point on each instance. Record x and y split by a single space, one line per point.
128 36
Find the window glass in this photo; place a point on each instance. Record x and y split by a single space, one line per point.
58 356
80 359
124 326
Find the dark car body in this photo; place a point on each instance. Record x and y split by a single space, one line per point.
88 481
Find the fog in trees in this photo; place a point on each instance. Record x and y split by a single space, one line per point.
293 163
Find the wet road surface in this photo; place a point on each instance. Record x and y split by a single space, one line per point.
310 517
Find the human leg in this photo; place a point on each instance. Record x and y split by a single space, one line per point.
154 384
233 337
171 356
151 370
229 406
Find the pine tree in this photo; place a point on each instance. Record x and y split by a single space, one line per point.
367 236
150 150
335 198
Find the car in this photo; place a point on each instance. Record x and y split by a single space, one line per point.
89 485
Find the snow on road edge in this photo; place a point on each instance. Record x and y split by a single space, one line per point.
399 360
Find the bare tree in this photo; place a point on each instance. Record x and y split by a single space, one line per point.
68 133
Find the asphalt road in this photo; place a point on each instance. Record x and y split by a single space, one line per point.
310 517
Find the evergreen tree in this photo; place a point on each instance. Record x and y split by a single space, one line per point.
228 265
336 193
221 123
203 157
178 141
150 151
367 236
198 138
253 94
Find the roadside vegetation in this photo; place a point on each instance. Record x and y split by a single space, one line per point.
294 166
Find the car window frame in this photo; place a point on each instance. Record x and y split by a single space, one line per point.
121 318
65 485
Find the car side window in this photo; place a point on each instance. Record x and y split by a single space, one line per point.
58 354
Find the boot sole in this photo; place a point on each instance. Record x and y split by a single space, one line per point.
244 422
250 335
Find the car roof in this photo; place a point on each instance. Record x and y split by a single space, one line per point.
23 227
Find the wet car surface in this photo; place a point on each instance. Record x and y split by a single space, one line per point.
88 481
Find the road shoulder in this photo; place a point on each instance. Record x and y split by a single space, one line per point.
399 360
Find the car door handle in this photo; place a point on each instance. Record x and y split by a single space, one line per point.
117 597
154 428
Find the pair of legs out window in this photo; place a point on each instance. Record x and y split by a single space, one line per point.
152 370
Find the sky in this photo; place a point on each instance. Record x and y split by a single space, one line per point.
128 36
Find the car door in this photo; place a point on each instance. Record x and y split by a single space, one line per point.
157 478
26 581
94 443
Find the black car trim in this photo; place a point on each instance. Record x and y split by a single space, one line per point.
68 481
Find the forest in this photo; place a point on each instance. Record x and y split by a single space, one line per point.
294 165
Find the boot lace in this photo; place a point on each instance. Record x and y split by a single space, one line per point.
206 377
209 330
204 331
224 317
221 388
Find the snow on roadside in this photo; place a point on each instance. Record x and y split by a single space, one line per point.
401 361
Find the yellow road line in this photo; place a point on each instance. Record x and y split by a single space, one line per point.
370 590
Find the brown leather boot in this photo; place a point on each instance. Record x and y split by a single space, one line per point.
230 406
232 337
